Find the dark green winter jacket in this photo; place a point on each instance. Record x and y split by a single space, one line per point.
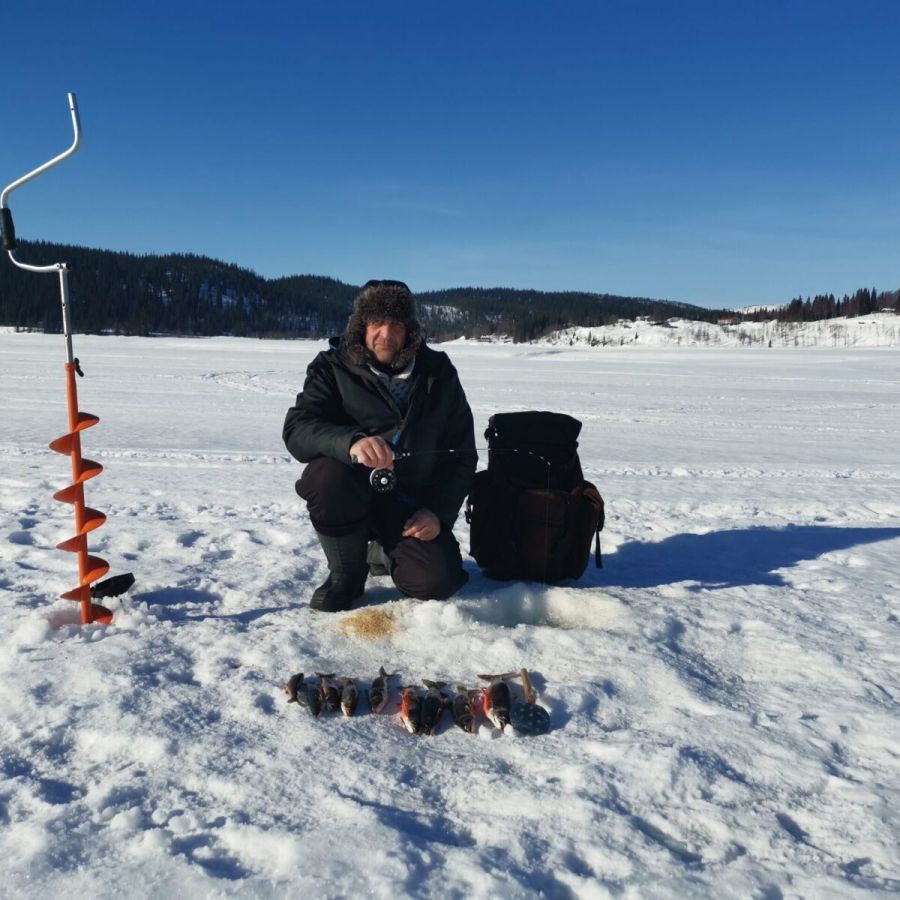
342 402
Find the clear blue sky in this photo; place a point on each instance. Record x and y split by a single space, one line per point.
719 153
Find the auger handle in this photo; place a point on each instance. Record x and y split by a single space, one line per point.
7 229
9 232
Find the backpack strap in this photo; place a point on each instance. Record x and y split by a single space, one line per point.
593 495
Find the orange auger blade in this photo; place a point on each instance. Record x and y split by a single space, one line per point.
90 568
85 420
65 443
70 494
91 519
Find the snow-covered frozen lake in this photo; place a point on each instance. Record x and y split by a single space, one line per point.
724 693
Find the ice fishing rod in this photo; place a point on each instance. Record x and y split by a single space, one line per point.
90 568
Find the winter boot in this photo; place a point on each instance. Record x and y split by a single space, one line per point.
348 571
379 562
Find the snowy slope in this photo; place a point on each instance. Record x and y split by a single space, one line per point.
876 330
724 693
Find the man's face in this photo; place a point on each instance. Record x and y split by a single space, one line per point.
385 339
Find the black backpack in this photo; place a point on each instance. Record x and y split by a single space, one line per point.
532 514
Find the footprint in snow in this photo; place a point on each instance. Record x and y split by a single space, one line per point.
792 828
189 538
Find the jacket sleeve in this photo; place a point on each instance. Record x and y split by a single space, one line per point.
317 425
445 496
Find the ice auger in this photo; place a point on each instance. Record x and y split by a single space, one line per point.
90 568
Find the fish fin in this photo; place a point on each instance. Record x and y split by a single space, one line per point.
530 695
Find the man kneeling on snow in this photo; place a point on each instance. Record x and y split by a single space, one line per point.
376 392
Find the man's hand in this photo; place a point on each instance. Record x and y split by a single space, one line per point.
374 452
423 525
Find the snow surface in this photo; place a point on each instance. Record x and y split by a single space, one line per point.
724 693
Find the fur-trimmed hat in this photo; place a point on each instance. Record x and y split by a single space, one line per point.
376 302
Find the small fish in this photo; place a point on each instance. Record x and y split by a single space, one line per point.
293 686
380 690
349 696
464 708
411 709
433 704
496 699
314 698
331 696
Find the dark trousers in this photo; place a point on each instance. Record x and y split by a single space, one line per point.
341 501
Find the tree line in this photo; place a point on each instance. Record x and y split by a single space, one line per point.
182 293
827 306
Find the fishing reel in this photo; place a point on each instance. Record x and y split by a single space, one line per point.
383 481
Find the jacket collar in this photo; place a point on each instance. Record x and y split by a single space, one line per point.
423 359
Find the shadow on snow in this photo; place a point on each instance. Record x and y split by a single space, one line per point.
722 559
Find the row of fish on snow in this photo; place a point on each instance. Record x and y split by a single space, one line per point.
421 712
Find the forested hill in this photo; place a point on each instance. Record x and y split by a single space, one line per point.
186 294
